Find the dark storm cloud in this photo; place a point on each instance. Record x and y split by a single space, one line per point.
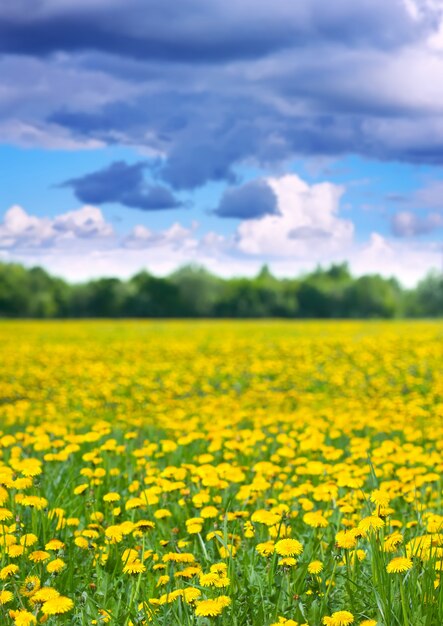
251 200
124 184
198 31
212 85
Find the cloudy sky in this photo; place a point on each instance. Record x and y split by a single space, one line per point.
146 133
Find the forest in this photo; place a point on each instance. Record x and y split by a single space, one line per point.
193 292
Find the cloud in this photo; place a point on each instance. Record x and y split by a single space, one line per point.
175 236
81 244
197 31
23 232
408 224
251 200
122 183
197 88
430 196
309 232
306 214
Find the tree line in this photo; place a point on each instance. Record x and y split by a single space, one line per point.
193 292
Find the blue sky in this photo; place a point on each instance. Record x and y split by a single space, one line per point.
148 135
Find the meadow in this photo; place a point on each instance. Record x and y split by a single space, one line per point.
223 473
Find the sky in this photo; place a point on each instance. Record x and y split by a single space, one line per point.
144 134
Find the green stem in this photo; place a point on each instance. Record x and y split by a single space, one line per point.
403 604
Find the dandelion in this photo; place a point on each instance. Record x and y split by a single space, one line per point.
57 606
134 567
212 608
399 565
339 618
6 596
315 567
7 571
30 585
346 539
22 617
55 566
288 547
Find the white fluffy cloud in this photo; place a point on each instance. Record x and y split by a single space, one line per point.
23 232
308 216
176 236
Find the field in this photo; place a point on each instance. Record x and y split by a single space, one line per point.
226 473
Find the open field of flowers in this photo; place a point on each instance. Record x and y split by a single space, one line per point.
225 473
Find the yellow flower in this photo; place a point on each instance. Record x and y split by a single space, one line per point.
5 597
38 556
58 605
212 608
373 522
43 595
266 548
30 585
179 557
82 543
288 547
380 497
114 534
8 570
28 540
23 617
112 496
54 544
80 489
346 539
316 519
315 567
134 567
339 618
55 566
391 542
399 565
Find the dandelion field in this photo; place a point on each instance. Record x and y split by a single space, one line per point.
226 473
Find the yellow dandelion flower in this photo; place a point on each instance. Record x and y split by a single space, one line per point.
346 539
54 545
57 606
380 497
80 489
6 596
370 523
339 618
55 566
211 608
30 585
399 565
191 594
28 540
82 543
38 556
288 547
315 567
134 567
112 496
7 571
391 542
43 595
22 617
